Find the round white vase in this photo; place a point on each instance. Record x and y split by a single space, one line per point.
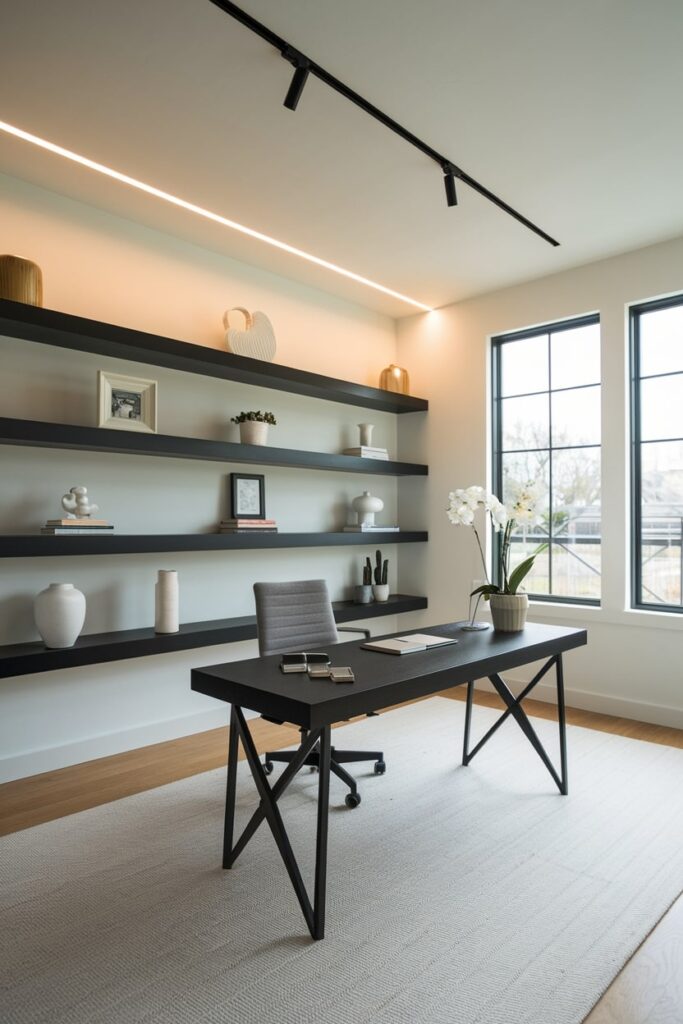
380 592
59 613
365 507
253 432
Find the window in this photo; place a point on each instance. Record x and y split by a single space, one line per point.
657 453
546 429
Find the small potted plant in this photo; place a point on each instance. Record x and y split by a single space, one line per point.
380 589
254 426
508 606
363 592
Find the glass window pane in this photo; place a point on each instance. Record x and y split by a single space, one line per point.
575 357
524 422
576 417
576 555
661 522
661 407
661 341
518 469
524 366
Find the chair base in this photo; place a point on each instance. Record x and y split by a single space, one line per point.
337 759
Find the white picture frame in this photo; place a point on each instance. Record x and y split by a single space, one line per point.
126 403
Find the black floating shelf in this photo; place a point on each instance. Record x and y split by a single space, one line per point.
22 659
50 327
39 545
36 433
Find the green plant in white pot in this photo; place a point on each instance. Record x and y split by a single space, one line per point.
254 426
509 606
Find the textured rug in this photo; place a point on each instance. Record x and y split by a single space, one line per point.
456 895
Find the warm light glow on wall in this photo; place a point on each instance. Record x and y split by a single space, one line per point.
158 193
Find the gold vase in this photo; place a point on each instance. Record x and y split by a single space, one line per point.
21 280
395 378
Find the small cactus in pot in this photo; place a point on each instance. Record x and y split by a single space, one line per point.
363 592
380 588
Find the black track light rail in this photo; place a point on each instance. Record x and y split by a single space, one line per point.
304 67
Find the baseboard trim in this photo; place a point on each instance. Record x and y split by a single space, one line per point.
47 759
601 703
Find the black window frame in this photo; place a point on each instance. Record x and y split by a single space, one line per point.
635 313
497 343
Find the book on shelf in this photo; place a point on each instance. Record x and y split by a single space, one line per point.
74 531
367 453
83 522
253 523
242 529
372 529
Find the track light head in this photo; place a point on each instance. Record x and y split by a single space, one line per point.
301 71
449 184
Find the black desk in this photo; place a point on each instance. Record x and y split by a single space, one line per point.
381 681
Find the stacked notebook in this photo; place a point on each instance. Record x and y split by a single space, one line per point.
247 526
364 452
78 527
371 529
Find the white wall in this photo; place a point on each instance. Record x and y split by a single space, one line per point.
99 266
632 665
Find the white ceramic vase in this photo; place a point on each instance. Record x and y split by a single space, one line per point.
59 612
366 430
509 612
166 618
380 591
366 506
253 432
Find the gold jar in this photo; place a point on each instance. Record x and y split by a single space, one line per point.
21 280
395 378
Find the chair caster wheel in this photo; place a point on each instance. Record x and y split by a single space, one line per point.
380 767
352 799
268 767
312 768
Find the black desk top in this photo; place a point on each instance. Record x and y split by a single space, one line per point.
381 679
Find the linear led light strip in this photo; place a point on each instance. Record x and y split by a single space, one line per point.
142 186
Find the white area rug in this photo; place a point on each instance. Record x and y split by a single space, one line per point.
456 895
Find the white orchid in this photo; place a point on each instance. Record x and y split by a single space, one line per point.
523 508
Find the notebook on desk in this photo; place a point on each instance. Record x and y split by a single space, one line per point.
410 644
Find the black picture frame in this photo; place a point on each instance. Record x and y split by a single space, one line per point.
235 511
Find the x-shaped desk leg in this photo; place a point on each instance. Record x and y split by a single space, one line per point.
514 708
268 810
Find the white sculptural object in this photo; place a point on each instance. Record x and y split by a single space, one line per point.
365 506
77 505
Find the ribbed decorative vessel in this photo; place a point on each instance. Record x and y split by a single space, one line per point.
253 432
59 612
509 612
395 378
21 280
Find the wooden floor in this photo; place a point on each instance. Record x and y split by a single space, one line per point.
649 990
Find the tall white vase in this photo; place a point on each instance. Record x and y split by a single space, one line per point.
166 602
59 612
366 430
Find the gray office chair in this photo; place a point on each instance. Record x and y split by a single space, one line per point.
297 616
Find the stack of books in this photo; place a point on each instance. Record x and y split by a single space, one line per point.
247 526
371 529
75 527
364 452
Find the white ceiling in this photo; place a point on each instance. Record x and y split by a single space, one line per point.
569 111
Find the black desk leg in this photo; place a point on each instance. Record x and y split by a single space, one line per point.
321 838
233 746
268 810
468 722
514 708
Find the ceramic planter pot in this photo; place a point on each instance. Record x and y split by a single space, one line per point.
59 613
380 591
253 432
509 612
362 594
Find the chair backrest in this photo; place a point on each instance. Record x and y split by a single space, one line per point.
293 616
